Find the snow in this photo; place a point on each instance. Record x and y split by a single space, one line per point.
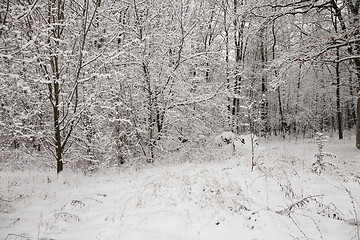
225 138
241 144
222 199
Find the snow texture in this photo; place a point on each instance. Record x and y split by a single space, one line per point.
281 199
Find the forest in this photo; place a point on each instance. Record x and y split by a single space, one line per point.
101 82
180 119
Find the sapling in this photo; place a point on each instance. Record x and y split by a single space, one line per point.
319 165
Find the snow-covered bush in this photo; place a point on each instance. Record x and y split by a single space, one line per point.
241 143
244 141
225 138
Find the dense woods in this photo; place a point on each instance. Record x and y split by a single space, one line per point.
105 81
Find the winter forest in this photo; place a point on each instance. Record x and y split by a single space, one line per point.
180 119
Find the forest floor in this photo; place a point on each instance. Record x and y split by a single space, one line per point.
213 199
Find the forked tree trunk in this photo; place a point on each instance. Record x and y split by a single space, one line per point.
54 20
64 124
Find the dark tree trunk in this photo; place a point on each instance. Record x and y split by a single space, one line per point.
338 106
282 120
226 30
54 88
151 122
352 106
63 126
59 149
237 41
264 101
358 124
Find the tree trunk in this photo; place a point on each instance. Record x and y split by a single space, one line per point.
282 120
358 123
239 50
226 30
58 141
64 123
352 106
150 114
338 106
54 88
264 101
296 122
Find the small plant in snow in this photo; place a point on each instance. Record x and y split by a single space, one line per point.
320 164
298 204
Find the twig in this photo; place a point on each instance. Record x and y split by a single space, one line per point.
355 213
298 227
16 235
317 228
13 223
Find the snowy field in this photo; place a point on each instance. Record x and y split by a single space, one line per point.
210 199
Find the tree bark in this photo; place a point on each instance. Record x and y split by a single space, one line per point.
358 123
150 114
338 106
239 51
264 101
352 105
64 124
282 120
54 88
227 72
59 148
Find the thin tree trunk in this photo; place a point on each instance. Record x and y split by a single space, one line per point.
282 120
337 70
239 49
358 123
57 128
296 122
150 115
338 106
352 106
54 88
296 130
237 60
148 87
62 130
264 101
226 30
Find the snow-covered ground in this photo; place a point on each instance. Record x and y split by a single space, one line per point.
213 199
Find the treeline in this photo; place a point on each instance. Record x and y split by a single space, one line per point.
104 81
